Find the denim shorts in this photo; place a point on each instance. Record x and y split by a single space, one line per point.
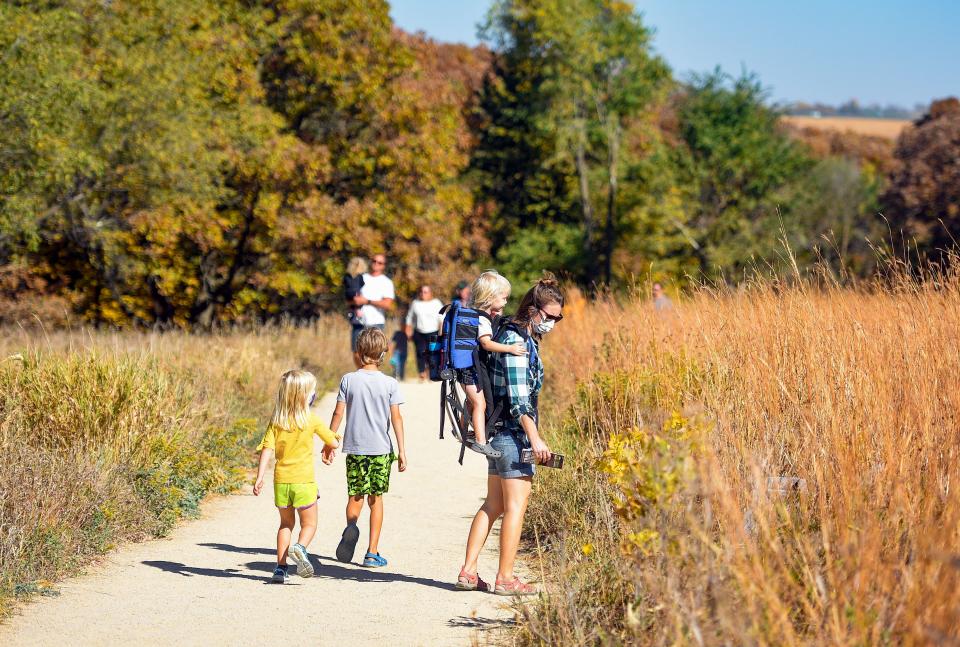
509 466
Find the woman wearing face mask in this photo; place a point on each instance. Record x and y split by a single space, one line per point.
516 385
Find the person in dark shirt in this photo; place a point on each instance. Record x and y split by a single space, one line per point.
398 353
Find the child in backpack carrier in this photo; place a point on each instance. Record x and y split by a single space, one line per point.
352 283
489 294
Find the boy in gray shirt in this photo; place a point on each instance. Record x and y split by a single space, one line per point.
371 401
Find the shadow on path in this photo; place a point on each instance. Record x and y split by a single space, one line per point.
240 549
330 570
481 624
189 571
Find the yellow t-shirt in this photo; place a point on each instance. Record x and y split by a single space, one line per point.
294 449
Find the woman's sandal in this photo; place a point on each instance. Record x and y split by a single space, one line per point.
468 582
514 587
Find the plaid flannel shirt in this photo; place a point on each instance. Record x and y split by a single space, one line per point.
517 380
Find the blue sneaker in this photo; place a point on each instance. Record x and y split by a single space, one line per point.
298 553
280 575
374 560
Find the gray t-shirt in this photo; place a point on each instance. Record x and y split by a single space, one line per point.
368 395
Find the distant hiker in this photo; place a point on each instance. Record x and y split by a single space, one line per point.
488 296
398 353
352 285
461 293
290 437
375 299
423 320
516 382
371 402
661 301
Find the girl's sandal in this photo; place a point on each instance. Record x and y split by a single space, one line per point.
468 582
514 587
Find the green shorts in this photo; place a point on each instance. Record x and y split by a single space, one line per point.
368 474
296 495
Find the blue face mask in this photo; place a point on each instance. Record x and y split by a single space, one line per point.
313 397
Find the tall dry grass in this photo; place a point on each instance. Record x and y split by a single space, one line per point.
670 524
112 436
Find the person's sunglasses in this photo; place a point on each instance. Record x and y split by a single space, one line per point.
379 262
549 316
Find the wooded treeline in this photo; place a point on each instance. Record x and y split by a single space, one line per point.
190 162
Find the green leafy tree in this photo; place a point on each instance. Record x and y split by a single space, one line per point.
746 176
594 84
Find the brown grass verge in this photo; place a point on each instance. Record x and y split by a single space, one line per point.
678 520
113 436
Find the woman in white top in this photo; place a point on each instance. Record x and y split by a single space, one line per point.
423 320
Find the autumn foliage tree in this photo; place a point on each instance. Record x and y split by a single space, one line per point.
923 199
191 162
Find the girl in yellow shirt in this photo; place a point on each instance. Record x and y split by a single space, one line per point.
290 438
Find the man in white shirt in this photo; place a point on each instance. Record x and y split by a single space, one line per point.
423 320
375 298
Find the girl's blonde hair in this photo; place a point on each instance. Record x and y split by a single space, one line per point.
371 346
485 290
293 400
357 266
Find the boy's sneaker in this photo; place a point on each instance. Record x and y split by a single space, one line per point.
348 543
298 553
280 575
374 560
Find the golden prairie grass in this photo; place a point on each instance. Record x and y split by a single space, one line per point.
677 520
888 128
111 436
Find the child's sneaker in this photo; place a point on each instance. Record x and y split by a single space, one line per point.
374 560
280 575
348 543
298 553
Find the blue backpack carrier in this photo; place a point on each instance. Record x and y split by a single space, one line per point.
455 348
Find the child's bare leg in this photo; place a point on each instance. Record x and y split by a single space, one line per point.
354 508
287 520
477 406
308 525
375 501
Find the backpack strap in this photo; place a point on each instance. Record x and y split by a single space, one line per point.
443 411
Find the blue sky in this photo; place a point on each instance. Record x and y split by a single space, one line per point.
885 51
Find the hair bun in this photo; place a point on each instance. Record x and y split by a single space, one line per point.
548 280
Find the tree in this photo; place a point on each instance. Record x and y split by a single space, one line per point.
923 198
593 79
192 162
746 175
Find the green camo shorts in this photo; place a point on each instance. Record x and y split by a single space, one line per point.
368 474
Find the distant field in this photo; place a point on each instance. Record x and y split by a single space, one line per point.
889 128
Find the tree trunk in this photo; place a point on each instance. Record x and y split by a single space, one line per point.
588 218
613 147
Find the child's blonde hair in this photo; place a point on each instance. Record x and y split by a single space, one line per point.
371 346
293 400
485 290
357 266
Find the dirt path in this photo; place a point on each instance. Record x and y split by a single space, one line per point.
205 584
